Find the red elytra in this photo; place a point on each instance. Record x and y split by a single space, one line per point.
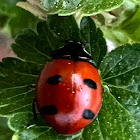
68 92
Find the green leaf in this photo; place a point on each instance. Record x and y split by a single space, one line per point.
90 7
131 26
27 121
136 2
116 121
120 72
116 36
17 18
26 48
16 80
6 6
92 131
118 25
56 6
20 20
86 7
48 40
93 38
64 27
121 25
5 132
3 20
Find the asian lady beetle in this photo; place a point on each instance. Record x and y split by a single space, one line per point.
68 92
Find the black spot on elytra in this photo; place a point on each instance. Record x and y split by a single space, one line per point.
54 80
88 114
90 83
49 110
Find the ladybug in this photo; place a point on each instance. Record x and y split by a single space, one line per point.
68 92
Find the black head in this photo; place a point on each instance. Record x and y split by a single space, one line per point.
72 50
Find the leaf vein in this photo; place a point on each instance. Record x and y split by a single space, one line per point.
44 132
36 49
26 74
122 88
115 65
48 39
20 108
121 73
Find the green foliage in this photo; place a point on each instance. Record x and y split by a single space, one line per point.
3 20
131 26
65 27
7 6
118 19
120 74
14 19
86 7
5 132
124 28
16 80
20 20
26 47
94 42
